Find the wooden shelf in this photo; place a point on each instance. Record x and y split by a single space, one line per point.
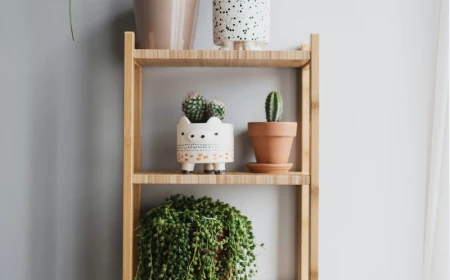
219 58
229 178
306 196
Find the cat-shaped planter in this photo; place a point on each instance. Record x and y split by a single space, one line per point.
210 144
241 25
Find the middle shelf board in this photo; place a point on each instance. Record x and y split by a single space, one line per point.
229 178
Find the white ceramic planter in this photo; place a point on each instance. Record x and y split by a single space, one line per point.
241 25
210 144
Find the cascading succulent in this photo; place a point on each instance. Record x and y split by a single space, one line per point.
274 107
217 109
194 107
188 238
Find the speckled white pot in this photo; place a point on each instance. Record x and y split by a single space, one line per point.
241 24
210 144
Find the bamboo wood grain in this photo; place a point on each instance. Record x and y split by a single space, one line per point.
304 224
137 159
314 163
229 178
305 115
303 194
221 58
137 111
128 160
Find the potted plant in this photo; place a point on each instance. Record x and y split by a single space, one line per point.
272 140
241 25
202 138
162 24
188 238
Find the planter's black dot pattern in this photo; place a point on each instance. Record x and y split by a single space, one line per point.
241 20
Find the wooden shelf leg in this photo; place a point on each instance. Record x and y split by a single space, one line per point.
137 159
303 192
131 158
314 159
304 224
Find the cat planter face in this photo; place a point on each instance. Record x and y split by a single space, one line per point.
241 25
210 144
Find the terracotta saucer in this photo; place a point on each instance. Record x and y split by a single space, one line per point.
269 167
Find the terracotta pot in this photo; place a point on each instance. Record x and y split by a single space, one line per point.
272 141
165 24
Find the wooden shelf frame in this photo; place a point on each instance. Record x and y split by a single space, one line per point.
306 60
229 178
219 58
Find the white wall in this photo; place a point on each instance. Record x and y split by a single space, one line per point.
61 119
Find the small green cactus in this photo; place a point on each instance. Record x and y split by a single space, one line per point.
217 109
194 107
274 107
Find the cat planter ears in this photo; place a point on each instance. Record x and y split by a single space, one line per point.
210 144
241 25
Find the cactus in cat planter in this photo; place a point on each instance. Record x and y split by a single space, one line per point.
217 109
194 107
202 138
274 107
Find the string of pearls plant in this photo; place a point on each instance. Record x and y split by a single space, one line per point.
188 238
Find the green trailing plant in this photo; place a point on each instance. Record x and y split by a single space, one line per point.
70 20
274 107
198 110
194 107
217 109
188 238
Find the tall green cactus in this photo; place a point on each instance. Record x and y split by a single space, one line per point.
274 107
194 107
216 108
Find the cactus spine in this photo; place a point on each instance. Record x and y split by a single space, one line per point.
217 109
274 107
194 107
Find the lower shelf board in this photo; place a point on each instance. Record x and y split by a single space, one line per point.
229 178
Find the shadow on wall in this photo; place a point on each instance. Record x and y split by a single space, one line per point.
243 147
75 211
43 166
120 24
100 256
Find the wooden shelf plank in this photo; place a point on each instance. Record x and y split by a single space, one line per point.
229 178
221 58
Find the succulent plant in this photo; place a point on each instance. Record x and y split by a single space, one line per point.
217 109
274 107
194 107
187 238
